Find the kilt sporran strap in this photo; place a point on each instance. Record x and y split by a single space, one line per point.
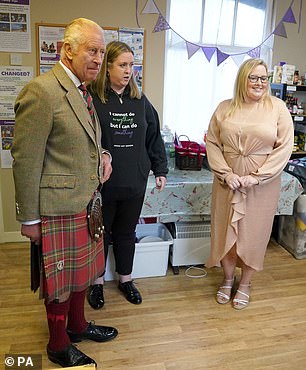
94 216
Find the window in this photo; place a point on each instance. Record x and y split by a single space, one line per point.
194 87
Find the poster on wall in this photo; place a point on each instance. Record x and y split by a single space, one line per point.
49 44
12 80
15 28
137 71
7 134
134 37
110 34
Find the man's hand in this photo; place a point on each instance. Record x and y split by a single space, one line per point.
107 167
33 232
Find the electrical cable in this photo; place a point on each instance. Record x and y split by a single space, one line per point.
198 269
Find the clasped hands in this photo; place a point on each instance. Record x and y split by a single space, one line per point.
234 181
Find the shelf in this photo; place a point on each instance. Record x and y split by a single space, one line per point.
294 88
288 87
299 120
282 90
298 154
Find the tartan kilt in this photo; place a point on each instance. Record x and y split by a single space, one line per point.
71 259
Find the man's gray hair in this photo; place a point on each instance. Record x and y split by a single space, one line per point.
76 32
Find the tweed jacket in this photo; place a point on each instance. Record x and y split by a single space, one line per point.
56 150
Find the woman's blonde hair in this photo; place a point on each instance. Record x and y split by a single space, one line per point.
102 84
241 83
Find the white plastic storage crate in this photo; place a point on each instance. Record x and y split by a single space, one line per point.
191 244
292 229
151 253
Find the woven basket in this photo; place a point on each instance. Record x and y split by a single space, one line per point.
189 155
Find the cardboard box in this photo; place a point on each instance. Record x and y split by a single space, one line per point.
151 253
292 229
288 74
277 74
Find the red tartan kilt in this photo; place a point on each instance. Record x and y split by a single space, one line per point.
71 259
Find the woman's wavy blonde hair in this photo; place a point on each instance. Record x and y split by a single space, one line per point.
102 84
241 83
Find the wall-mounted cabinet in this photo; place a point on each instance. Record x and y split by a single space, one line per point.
295 98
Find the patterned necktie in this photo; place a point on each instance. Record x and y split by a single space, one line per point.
88 99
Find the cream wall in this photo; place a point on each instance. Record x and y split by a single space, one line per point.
293 48
122 13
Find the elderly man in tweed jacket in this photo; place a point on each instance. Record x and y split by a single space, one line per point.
58 164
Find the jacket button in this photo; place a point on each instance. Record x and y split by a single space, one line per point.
93 177
93 155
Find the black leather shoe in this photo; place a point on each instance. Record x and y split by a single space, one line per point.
130 292
95 296
70 356
94 332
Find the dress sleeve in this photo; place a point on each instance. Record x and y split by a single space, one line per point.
282 150
214 146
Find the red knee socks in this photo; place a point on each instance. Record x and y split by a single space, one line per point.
57 314
76 318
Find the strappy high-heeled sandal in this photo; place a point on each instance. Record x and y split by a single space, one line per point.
221 297
239 303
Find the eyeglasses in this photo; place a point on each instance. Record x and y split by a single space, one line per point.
255 79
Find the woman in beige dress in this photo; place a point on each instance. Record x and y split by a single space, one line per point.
249 141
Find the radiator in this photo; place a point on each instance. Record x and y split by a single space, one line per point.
191 244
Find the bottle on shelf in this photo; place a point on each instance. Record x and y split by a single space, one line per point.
168 139
295 106
296 77
300 110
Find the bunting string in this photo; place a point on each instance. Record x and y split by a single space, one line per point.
300 15
191 47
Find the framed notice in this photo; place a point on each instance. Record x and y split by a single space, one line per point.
110 34
49 41
49 38
15 26
134 37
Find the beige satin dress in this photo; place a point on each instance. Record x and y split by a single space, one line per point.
256 140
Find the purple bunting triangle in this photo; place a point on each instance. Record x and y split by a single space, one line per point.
280 30
161 24
221 57
289 16
254 53
191 49
150 8
208 52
